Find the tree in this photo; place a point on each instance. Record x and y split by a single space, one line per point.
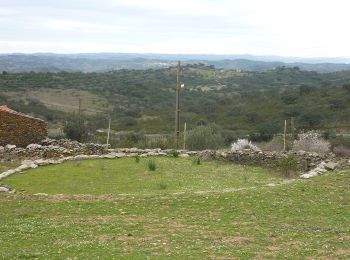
346 87
75 130
204 137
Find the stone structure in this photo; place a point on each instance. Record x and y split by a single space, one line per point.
20 129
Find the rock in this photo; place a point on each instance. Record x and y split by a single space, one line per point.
330 166
4 189
109 156
10 146
41 194
184 155
34 146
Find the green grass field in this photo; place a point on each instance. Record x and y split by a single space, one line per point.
115 209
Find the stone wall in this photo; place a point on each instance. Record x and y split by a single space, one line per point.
20 130
305 161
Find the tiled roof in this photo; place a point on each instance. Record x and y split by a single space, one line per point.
5 108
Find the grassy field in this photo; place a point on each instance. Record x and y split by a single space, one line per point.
204 211
98 177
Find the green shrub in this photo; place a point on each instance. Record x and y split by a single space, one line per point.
197 161
174 153
340 141
137 158
163 185
152 166
204 137
288 165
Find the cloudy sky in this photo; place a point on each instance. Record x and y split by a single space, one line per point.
304 28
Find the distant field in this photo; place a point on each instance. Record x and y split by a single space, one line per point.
65 100
118 209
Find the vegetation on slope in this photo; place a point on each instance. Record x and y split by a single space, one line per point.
238 102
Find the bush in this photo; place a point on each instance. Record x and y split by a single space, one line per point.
174 153
163 185
340 141
152 165
137 158
288 165
197 161
204 137
311 142
264 132
75 130
342 151
242 144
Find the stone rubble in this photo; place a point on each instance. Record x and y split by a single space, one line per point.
322 168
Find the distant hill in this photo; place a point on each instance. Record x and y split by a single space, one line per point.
102 62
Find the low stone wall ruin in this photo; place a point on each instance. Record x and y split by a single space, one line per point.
55 149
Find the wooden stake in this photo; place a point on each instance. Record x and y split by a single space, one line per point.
284 135
185 136
177 109
109 129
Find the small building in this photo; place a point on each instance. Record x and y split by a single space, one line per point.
20 129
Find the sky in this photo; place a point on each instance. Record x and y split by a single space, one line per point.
299 28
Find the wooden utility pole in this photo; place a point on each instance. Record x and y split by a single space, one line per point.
284 135
177 109
109 129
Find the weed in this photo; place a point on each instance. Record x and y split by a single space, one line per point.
197 161
102 166
163 185
137 158
288 165
76 163
152 166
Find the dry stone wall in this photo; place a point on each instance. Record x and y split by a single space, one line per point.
20 130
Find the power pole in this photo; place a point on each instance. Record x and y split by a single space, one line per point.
177 109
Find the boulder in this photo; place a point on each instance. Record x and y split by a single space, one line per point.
330 166
10 146
4 189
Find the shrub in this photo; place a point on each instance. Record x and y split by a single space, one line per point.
152 165
276 144
137 158
75 130
288 165
204 137
340 141
76 163
197 161
174 153
342 151
163 142
163 185
242 144
311 142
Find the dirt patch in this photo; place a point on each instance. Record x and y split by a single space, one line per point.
66 100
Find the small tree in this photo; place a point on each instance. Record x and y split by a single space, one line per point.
75 131
204 137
